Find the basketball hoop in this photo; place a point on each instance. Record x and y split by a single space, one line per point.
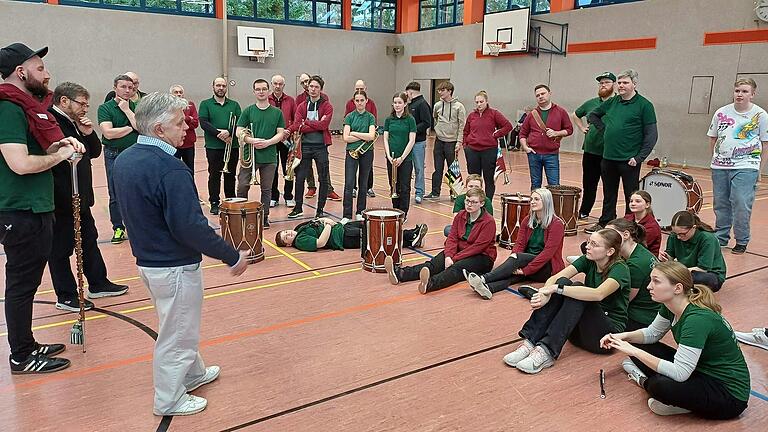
494 48
259 56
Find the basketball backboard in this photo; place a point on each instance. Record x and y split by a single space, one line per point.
251 39
510 27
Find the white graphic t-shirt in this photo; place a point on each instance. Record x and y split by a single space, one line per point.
739 137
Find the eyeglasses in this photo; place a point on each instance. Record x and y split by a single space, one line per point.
682 234
82 104
471 202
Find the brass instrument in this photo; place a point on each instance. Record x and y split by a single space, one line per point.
246 160
364 147
394 179
231 128
294 156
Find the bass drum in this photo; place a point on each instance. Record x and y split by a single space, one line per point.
671 192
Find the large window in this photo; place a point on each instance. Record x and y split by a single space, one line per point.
440 13
588 3
181 7
311 12
374 14
537 6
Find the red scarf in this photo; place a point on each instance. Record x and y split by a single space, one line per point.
42 124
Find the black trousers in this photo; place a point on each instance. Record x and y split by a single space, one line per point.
612 172
591 168
352 180
319 154
483 162
504 275
707 278
215 165
95 270
187 155
282 156
444 154
311 179
404 174
700 394
27 239
564 318
441 277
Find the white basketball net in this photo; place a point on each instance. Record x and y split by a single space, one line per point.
494 48
260 56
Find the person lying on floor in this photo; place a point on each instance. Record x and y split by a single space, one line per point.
537 254
325 233
707 374
470 246
474 181
564 310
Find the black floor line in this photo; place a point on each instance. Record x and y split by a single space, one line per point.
368 386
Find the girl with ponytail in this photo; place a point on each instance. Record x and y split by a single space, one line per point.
694 244
642 310
707 374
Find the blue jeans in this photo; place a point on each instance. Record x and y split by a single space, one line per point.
550 163
115 217
734 193
419 148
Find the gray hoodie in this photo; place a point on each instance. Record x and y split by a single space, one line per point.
449 120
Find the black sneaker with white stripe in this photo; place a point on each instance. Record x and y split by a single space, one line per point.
73 305
50 350
38 363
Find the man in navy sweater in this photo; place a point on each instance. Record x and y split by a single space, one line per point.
169 234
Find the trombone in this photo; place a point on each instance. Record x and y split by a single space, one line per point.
231 128
294 155
364 147
246 160
394 194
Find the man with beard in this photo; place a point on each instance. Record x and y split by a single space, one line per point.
628 124
215 114
30 144
593 142
311 188
118 132
70 108
136 95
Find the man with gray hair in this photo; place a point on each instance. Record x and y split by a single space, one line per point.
169 236
187 150
628 124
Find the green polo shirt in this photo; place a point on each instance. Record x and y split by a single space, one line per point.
615 305
702 250
399 128
360 123
642 309
263 123
624 124
22 192
535 241
218 115
306 237
721 358
110 112
458 204
593 140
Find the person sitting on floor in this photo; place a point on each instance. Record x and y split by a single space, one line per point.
642 213
707 374
474 181
537 254
563 310
694 244
470 246
325 233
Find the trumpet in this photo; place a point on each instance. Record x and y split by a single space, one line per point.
231 128
294 155
364 147
246 160
394 179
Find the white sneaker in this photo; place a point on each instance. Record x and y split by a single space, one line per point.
572 258
191 405
757 338
389 266
211 373
358 217
478 285
343 221
633 372
663 409
423 280
272 203
520 353
538 360
290 203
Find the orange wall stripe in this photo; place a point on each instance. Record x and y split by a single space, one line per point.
612 45
53 2
561 5
736 37
429 58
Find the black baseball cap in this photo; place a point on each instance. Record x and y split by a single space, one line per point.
15 54
604 75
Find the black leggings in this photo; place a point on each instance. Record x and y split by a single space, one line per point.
441 277
504 275
701 394
707 278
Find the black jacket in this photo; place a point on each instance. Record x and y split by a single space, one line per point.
62 173
422 113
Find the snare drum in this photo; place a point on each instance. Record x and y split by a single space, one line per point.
242 224
383 233
514 208
566 200
671 192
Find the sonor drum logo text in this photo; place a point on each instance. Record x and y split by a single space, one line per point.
661 184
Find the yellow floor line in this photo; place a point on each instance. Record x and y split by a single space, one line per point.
291 257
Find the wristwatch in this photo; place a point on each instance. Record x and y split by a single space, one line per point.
560 288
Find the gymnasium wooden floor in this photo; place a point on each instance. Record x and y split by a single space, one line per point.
309 342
